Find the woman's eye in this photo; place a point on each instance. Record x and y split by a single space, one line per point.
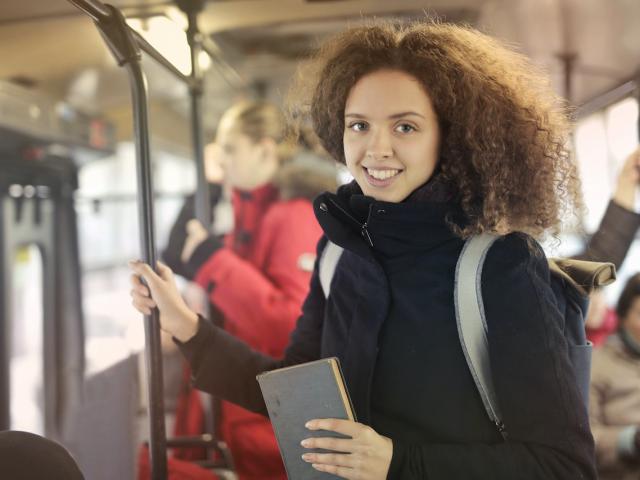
405 128
358 126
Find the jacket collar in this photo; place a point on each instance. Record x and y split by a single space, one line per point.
372 228
263 195
249 208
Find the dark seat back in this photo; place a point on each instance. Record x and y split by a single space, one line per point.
26 456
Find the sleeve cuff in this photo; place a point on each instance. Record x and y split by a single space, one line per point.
201 255
626 442
193 346
397 460
622 211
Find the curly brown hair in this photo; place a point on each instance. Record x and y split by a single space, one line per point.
504 133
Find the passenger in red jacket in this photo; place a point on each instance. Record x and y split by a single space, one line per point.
258 276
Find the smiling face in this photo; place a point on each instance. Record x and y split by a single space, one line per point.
391 136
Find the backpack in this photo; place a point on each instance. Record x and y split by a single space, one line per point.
575 279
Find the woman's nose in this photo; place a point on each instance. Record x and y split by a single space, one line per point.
380 146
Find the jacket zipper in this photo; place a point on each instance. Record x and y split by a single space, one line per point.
363 226
502 429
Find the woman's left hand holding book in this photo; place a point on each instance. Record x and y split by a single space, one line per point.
161 292
365 455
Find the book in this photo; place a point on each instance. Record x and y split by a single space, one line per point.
294 395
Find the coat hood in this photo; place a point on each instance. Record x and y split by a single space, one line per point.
307 175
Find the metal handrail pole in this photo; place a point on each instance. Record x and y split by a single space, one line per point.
97 10
202 197
157 56
607 98
118 37
153 350
102 13
227 72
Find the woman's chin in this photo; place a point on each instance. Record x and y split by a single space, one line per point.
381 195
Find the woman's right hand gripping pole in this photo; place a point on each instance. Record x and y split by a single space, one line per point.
175 317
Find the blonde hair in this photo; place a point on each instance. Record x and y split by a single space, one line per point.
259 120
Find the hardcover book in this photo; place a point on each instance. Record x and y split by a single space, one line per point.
294 395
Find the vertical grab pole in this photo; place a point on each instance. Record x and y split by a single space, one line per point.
119 39
192 8
153 350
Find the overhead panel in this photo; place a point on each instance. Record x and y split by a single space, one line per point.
29 119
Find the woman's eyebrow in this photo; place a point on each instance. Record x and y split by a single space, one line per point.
405 114
394 116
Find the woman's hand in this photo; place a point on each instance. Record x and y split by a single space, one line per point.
628 182
196 234
366 455
175 317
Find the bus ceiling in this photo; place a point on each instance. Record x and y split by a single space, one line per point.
253 46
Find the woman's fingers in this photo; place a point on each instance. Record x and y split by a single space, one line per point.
366 453
135 280
142 299
343 472
338 459
143 305
346 427
164 271
138 286
327 443
146 272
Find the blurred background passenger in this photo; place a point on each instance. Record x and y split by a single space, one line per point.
611 243
615 392
258 275
214 173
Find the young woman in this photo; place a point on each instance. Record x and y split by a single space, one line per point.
258 277
447 134
615 392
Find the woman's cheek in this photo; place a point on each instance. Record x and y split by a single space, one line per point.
351 158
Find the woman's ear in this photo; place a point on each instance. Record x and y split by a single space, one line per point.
269 149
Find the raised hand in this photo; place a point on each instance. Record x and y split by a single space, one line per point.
628 180
196 234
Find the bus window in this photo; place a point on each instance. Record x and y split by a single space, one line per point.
26 347
622 129
108 237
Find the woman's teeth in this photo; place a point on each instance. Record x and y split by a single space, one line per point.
382 174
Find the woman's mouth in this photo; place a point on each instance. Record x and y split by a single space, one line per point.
381 177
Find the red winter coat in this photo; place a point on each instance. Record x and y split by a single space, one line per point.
259 280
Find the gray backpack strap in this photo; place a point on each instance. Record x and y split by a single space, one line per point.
472 325
327 266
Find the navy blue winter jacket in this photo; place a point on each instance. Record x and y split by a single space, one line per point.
390 320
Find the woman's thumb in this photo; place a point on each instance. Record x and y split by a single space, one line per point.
164 271
144 271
